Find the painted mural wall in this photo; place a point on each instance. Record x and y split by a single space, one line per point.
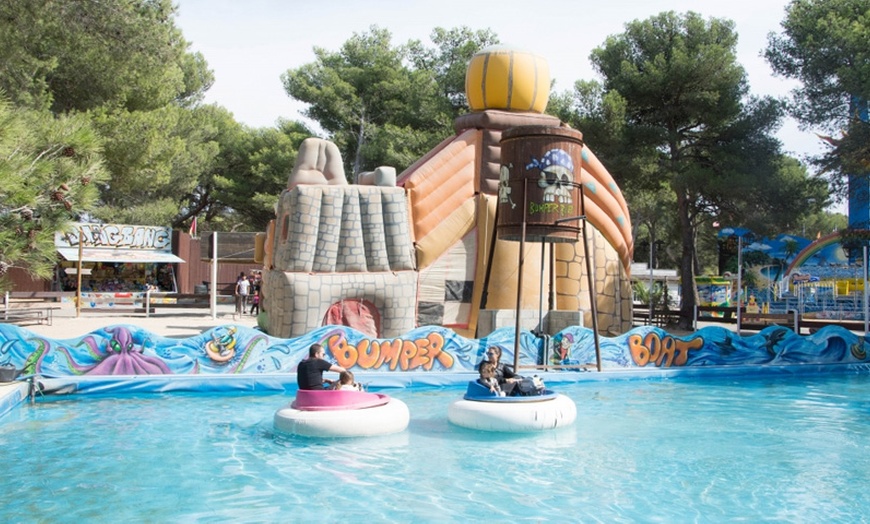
125 350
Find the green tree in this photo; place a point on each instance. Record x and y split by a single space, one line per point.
383 104
157 158
253 190
172 164
782 202
819 224
354 93
691 125
824 45
85 54
49 170
126 65
601 116
652 219
447 63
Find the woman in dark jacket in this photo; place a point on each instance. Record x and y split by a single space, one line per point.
504 374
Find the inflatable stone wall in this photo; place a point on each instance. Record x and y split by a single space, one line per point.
333 244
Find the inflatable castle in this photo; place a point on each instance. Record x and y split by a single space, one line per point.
394 252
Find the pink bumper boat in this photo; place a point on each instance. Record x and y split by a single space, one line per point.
327 413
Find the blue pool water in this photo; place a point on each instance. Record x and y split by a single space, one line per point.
679 450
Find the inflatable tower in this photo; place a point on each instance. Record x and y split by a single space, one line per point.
414 250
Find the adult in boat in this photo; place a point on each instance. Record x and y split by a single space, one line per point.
309 372
503 373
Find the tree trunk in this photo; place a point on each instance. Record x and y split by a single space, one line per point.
360 142
687 265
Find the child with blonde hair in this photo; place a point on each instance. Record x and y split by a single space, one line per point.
345 382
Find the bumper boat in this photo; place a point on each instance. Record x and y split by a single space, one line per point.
484 410
327 413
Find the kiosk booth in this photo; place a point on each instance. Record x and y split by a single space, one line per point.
118 263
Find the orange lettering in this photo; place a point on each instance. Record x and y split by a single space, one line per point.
367 354
666 353
654 344
344 353
409 350
663 352
404 354
421 357
437 350
684 347
639 352
389 352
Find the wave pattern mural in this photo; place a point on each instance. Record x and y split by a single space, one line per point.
126 350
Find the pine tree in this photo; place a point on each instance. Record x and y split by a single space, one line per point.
49 172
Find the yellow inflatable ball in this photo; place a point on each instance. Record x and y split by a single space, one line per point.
504 78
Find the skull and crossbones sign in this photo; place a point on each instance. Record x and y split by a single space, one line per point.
557 175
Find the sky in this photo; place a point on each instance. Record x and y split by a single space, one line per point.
249 44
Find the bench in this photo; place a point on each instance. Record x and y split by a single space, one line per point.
759 321
748 321
814 324
37 296
28 315
23 307
660 317
722 314
159 300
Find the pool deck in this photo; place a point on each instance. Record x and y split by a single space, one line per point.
174 323
12 394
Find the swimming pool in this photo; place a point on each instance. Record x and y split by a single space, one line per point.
788 449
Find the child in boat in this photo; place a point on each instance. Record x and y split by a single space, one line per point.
487 378
345 382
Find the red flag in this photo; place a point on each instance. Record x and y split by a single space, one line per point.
193 228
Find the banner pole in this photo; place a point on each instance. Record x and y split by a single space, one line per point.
79 278
214 274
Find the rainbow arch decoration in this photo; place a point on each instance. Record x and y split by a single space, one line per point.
816 246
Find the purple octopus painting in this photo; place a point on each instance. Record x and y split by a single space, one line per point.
120 356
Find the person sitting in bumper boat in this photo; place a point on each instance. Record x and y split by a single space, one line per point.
346 382
488 380
503 373
309 372
510 383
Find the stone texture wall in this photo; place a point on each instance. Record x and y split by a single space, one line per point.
333 243
298 301
612 283
326 229
612 292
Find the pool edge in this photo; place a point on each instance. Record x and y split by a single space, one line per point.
11 395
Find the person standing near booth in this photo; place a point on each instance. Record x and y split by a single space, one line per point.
243 289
